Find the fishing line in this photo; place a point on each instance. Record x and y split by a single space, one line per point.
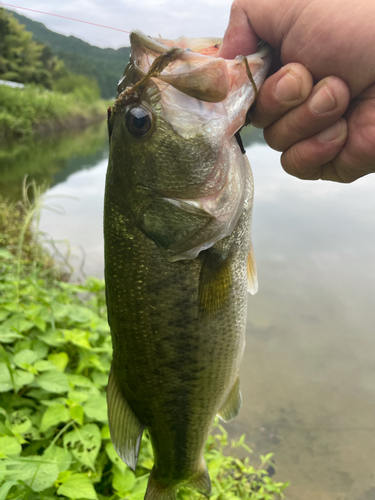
77 20
63 17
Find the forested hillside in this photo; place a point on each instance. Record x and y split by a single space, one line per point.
105 65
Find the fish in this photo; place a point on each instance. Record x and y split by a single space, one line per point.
178 252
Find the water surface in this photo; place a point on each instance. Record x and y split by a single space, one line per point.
308 376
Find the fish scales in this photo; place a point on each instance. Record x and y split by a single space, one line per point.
177 230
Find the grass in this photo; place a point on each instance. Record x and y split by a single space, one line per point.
55 356
22 111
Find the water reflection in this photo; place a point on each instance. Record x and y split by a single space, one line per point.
308 377
51 160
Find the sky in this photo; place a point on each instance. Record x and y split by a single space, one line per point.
169 18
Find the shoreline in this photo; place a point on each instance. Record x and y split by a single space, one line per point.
33 112
45 129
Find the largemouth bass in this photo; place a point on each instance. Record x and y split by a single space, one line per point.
178 254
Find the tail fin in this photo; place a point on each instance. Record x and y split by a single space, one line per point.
155 491
201 481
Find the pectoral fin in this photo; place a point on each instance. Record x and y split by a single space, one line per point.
126 430
233 404
252 278
215 282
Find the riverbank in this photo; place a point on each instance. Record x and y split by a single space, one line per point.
34 111
54 366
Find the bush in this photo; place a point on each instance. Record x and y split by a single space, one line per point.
23 109
85 88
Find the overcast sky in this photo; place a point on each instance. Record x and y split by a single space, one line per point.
169 18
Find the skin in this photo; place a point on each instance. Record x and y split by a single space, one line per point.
318 107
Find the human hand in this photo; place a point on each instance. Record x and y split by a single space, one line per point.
327 130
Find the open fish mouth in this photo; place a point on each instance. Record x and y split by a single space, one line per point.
197 71
200 102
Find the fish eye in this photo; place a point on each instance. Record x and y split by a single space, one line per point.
138 121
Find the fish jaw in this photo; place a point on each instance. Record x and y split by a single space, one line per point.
197 72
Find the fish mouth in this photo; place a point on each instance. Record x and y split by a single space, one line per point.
197 71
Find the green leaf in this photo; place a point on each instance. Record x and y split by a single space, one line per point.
114 458
78 396
100 378
53 337
4 490
53 381
40 323
22 378
9 446
8 336
84 443
105 432
20 423
5 254
77 337
5 378
53 416
96 408
43 365
60 456
80 380
77 414
124 481
34 471
40 348
3 314
18 322
79 314
25 357
60 360
139 488
78 486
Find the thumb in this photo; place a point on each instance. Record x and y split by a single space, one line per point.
239 38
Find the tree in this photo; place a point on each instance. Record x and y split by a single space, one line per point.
22 59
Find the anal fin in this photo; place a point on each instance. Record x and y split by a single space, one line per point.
233 403
125 428
252 278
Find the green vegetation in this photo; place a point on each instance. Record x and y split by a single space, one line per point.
34 109
23 112
104 65
23 60
55 355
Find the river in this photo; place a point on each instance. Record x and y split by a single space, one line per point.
308 376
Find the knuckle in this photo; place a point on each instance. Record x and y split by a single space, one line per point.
367 144
291 160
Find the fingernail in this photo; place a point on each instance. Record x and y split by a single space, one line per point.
288 88
332 133
323 101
